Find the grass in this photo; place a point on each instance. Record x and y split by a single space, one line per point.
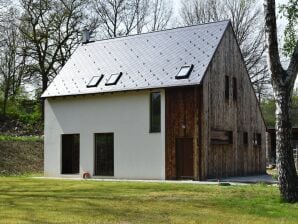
27 200
21 138
273 173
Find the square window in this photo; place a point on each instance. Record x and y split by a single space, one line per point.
114 78
184 72
95 80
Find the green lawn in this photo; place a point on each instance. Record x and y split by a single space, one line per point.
21 138
26 200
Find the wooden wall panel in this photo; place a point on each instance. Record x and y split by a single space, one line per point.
182 121
242 115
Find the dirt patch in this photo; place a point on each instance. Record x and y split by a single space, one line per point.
19 157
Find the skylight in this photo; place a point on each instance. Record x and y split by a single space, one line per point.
95 80
184 72
114 78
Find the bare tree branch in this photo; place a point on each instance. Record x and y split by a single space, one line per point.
124 17
246 19
160 15
52 29
12 57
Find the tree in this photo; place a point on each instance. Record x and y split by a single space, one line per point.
290 12
52 30
124 17
283 83
140 10
160 14
246 20
12 57
111 16
268 109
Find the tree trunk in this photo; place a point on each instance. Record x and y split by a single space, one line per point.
4 106
283 83
5 100
45 82
287 176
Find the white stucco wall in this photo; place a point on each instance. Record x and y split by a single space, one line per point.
138 154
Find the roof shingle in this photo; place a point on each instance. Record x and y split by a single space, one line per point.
150 60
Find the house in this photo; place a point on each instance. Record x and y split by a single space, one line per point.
162 105
271 145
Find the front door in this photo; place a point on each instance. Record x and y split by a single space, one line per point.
184 158
70 154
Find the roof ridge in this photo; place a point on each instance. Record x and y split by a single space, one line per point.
154 32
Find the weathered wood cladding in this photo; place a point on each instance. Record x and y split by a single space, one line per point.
206 113
182 121
237 115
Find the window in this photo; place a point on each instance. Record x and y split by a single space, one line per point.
155 111
245 138
95 80
219 137
70 154
184 72
227 87
234 88
104 154
257 139
114 78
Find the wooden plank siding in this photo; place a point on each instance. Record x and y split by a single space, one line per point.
217 124
182 121
238 116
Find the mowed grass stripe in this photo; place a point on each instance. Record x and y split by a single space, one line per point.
27 200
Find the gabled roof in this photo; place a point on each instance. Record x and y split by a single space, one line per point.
150 60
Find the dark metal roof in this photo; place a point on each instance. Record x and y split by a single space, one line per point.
150 60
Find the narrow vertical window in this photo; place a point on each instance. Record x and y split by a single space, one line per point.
234 88
230 135
245 138
227 87
155 111
257 139
70 154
